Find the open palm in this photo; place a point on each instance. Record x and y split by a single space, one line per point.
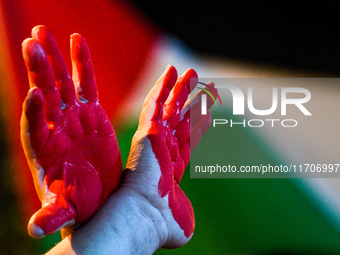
68 139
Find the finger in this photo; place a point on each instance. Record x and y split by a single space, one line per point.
40 74
192 116
82 70
184 131
35 125
199 130
182 134
51 218
63 79
210 86
153 104
186 145
192 108
178 96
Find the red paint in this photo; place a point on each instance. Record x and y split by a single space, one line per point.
121 39
82 167
172 150
75 145
216 93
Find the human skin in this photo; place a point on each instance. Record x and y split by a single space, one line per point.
149 210
68 139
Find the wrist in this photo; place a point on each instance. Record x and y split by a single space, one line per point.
127 224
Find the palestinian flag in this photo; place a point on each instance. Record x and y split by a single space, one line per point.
129 52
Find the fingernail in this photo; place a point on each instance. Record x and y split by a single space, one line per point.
24 46
210 84
166 70
38 97
31 48
190 77
33 54
39 31
77 40
80 51
35 231
28 100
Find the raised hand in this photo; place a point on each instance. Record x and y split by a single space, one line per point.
149 210
160 150
68 139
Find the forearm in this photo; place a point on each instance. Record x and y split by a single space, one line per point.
126 224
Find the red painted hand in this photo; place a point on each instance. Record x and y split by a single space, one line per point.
160 150
68 139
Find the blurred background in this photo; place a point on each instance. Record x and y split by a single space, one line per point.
131 44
